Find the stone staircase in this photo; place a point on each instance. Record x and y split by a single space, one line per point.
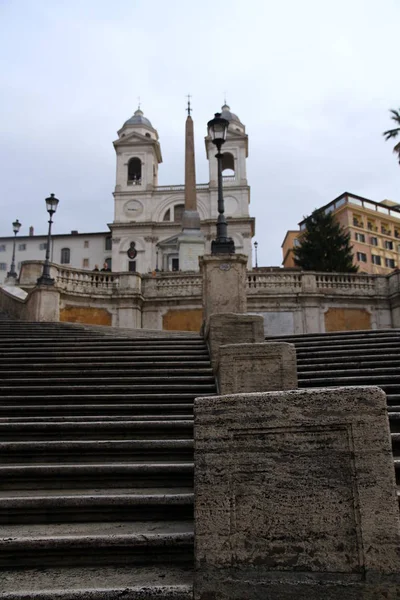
96 462
353 358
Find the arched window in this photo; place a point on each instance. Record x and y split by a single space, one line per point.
135 170
65 256
178 212
228 164
167 216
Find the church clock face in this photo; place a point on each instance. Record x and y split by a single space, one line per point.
133 209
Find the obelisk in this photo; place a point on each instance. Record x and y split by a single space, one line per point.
191 241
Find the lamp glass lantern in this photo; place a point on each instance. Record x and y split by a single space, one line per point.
16 226
217 129
51 204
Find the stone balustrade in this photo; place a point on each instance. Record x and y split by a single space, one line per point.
167 285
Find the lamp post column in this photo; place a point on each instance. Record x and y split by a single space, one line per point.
45 279
12 272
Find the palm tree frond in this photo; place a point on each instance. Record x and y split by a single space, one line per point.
396 115
391 133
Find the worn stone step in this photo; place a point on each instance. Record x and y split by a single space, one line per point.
95 430
129 398
334 372
80 410
68 506
114 370
379 380
110 360
96 380
333 343
94 544
374 362
368 358
156 582
96 451
93 418
86 476
97 340
88 355
363 333
195 388
330 349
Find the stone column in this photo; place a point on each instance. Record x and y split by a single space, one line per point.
224 284
295 497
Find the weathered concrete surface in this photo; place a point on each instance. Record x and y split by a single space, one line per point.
224 284
40 304
295 496
256 368
230 328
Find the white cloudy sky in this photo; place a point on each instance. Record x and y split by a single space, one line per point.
312 80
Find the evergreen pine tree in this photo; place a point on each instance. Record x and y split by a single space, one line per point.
324 245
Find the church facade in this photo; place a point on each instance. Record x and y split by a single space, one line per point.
145 234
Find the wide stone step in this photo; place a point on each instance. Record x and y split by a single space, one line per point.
159 398
91 418
379 380
98 340
195 389
57 362
94 544
333 372
166 369
86 476
351 349
367 358
359 333
82 410
102 347
99 379
342 342
96 430
305 366
98 505
156 582
96 451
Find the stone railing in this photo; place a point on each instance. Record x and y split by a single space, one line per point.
73 280
315 283
167 285
179 188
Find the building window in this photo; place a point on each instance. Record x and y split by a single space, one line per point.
3 247
376 260
371 226
385 230
357 222
374 241
43 246
178 212
86 244
3 266
175 264
85 263
167 216
135 171
360 237
108 243
389 262
388 245
21 247
296 242
361 257
228 164
65 256
132 266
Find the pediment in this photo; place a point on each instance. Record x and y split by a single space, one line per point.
134 138
171 241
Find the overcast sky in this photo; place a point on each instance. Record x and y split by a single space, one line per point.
312 80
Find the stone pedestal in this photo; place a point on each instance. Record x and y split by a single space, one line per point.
191 248
256 368
222 329
224 284
295 497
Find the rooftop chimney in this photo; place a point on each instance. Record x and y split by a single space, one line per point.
31 231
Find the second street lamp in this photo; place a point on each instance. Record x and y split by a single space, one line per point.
255 248
217 129
51 207
16 227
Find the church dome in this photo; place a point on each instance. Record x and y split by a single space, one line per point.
138 119
228 115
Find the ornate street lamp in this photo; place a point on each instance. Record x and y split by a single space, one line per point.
217 129
255 248
16 227
51 207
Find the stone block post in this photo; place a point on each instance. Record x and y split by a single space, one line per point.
224 284
295 497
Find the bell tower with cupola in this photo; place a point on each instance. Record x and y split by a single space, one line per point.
138 156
